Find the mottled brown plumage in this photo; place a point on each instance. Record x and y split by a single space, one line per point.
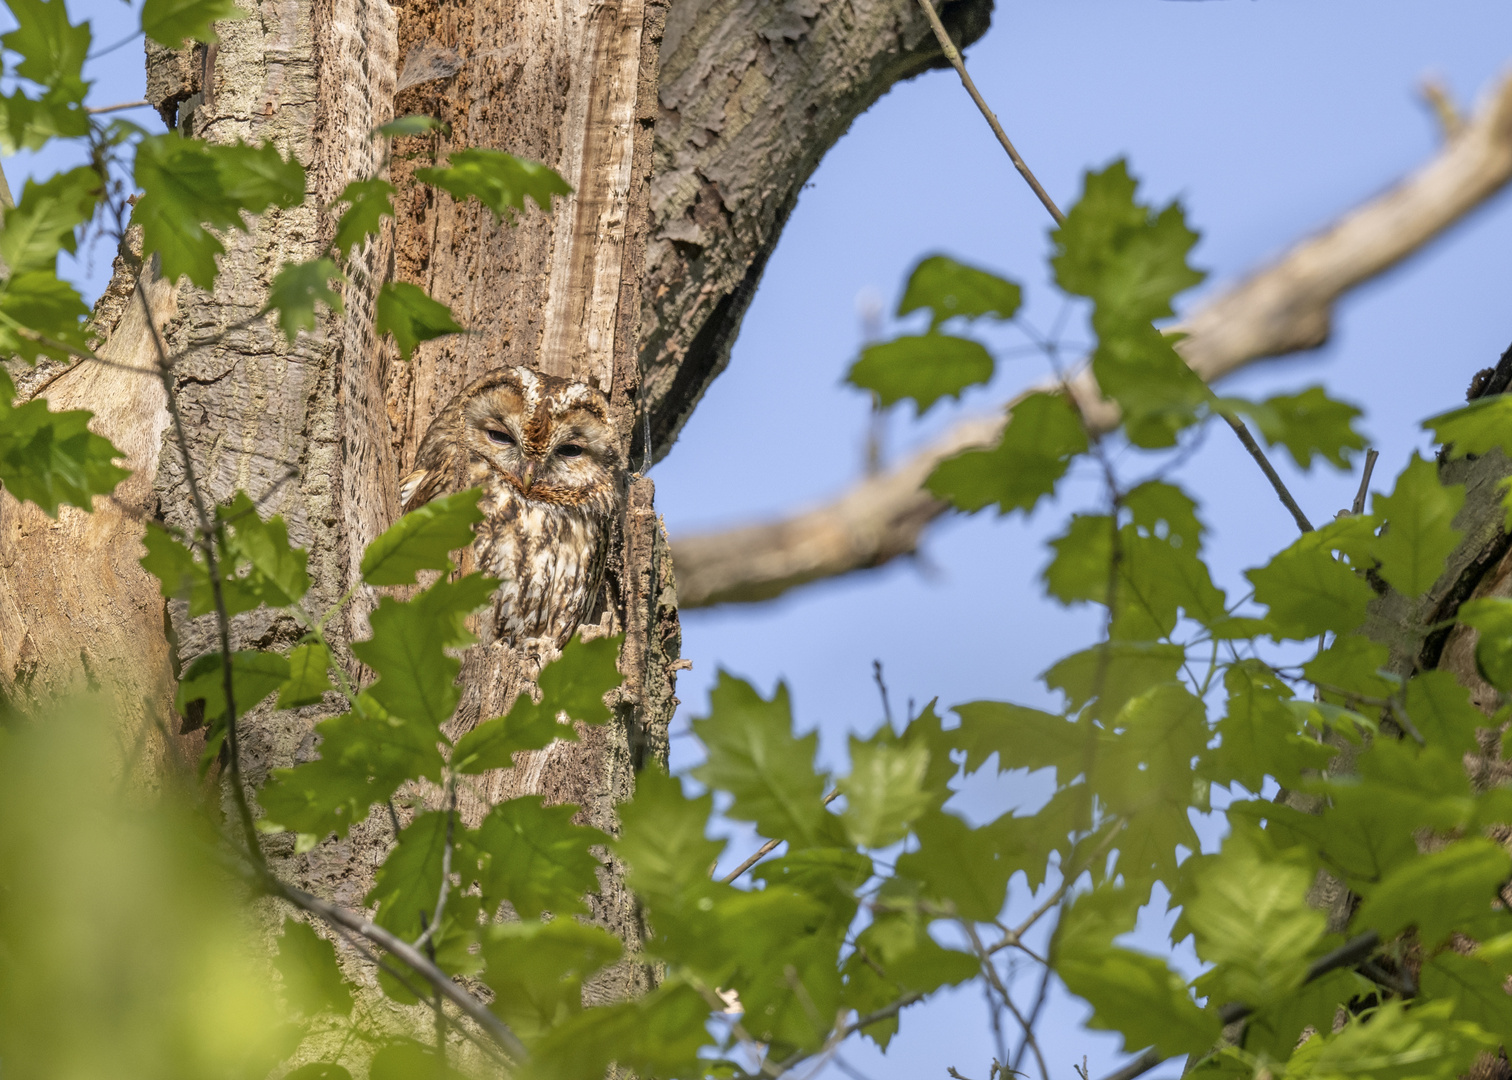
548 460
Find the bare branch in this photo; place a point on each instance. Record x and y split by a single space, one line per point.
1281 308
954 56
421 965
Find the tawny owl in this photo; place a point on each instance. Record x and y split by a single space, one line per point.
546 455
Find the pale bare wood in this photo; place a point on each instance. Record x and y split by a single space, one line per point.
1282 308
77 612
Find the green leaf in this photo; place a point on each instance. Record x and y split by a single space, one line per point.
43 222
416 677
37 305
319 1070
658 1034
1044 432
1477 428
1394 1042
574 684
1131 993
964 867
1419 535
368 203
1137 367
950 289
536 858
407 887
1492 616
662 838
189 186
365 755
536 970
405 1059
500 181
412 317
254 675
924 367
1477 989
1083 561
1125 257
1308 591
297 288
171 22
1261 735
753 755
28 123
1352 665
1113 673
1306 423
411 125
884 792
1440 709
1131 262
312 980
1439 892
51 458
422 540
276 569
309 676
52 49
1022 738
1251 919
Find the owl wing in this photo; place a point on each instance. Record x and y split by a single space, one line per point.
420 487
436 461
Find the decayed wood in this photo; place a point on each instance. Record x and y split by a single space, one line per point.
1281 308
753 93
77 612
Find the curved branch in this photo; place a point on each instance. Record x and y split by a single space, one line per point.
1284 307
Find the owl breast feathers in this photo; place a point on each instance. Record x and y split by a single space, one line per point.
549 462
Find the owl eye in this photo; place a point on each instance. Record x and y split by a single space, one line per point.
570 450
503 438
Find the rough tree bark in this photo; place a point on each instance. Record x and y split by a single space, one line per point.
320 429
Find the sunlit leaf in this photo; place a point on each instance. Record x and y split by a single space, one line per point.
1418 535
296 290
500 181
422 539
1044 432
922 367
950 289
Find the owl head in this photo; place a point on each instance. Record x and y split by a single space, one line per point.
549 438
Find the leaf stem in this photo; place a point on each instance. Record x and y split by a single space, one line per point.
1269 470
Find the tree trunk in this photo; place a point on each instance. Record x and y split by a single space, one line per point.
320 430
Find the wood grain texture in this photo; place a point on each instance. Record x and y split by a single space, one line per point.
77 613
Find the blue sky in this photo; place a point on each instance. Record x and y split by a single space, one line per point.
1266 118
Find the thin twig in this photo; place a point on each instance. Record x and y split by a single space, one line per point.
990 969
417 961
882 688
446 857
1352 952
1270 473
210 534
1358 506
954 56
96 110
767 848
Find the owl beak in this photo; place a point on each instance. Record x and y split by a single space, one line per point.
527 475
